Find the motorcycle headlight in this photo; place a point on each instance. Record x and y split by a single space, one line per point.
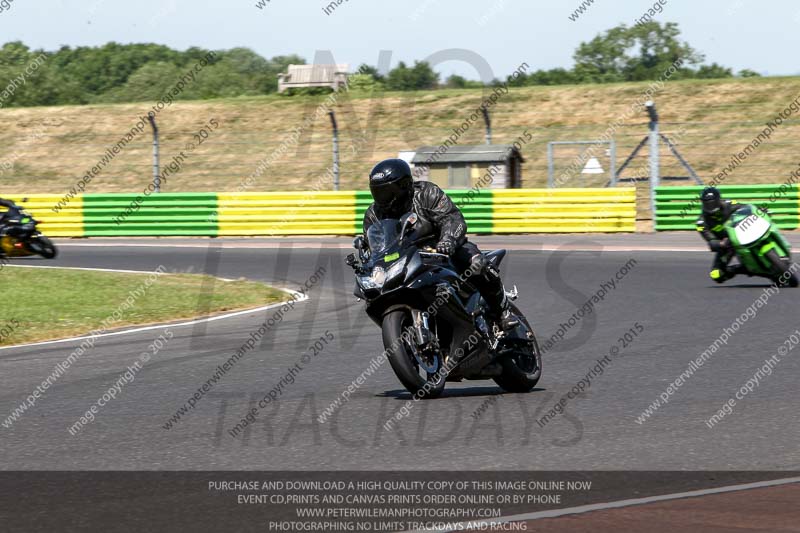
396 269
374 280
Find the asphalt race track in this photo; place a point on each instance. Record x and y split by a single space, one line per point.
475 426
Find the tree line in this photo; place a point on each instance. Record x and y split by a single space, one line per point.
116 73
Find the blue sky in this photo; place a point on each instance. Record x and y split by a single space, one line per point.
761 35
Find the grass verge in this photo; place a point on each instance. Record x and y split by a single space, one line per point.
42 304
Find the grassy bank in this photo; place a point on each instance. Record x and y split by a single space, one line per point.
48 303
50 148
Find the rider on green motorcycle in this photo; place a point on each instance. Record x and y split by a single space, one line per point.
711 226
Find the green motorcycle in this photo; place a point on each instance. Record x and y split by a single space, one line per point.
760 247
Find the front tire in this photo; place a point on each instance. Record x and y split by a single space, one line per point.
781 270
523 368
43 246
401 353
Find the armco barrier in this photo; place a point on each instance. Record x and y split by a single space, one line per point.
288 213
165 214
678 208
486 211
324 213
68 222
564 210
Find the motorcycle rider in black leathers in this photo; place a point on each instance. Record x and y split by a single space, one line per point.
396 193
711 226
13 212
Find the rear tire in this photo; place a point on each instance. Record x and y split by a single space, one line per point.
781 270
401 357
521 370
43 246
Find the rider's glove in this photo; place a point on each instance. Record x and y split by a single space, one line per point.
446 246
725 244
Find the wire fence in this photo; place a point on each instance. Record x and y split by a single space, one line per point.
49 153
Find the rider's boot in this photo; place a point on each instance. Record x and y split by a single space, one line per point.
500 312
491 288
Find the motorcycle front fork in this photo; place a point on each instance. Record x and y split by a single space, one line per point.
422 332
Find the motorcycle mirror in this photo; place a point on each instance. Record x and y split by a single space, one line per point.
408 223
350 260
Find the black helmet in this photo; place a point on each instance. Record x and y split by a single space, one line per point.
712 202
392 186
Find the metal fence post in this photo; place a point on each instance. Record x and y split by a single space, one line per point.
654 154
550 166
488 121
613 164
156 174
335 150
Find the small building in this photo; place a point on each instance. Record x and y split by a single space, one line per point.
498 166
298 76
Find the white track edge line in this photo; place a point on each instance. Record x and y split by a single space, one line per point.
555 513
109 270
151 327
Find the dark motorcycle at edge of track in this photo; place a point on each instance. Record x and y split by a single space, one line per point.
434 324
21 237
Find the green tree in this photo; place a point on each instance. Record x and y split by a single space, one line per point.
638 53
420 76
556 76
370 70
399 78
221 80
713 71
15 55
256 75
148 84
101 69
747 73
455 82
423 76
364 83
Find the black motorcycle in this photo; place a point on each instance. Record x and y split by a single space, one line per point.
434 322
20 236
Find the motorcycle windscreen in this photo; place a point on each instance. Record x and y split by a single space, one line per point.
383 237
750 229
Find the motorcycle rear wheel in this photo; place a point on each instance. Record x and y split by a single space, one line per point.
522 369
401 354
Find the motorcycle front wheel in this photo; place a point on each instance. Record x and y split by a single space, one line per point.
421 374
781 270
41 245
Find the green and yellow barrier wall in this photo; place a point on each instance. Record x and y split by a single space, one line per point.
323 213
678 208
